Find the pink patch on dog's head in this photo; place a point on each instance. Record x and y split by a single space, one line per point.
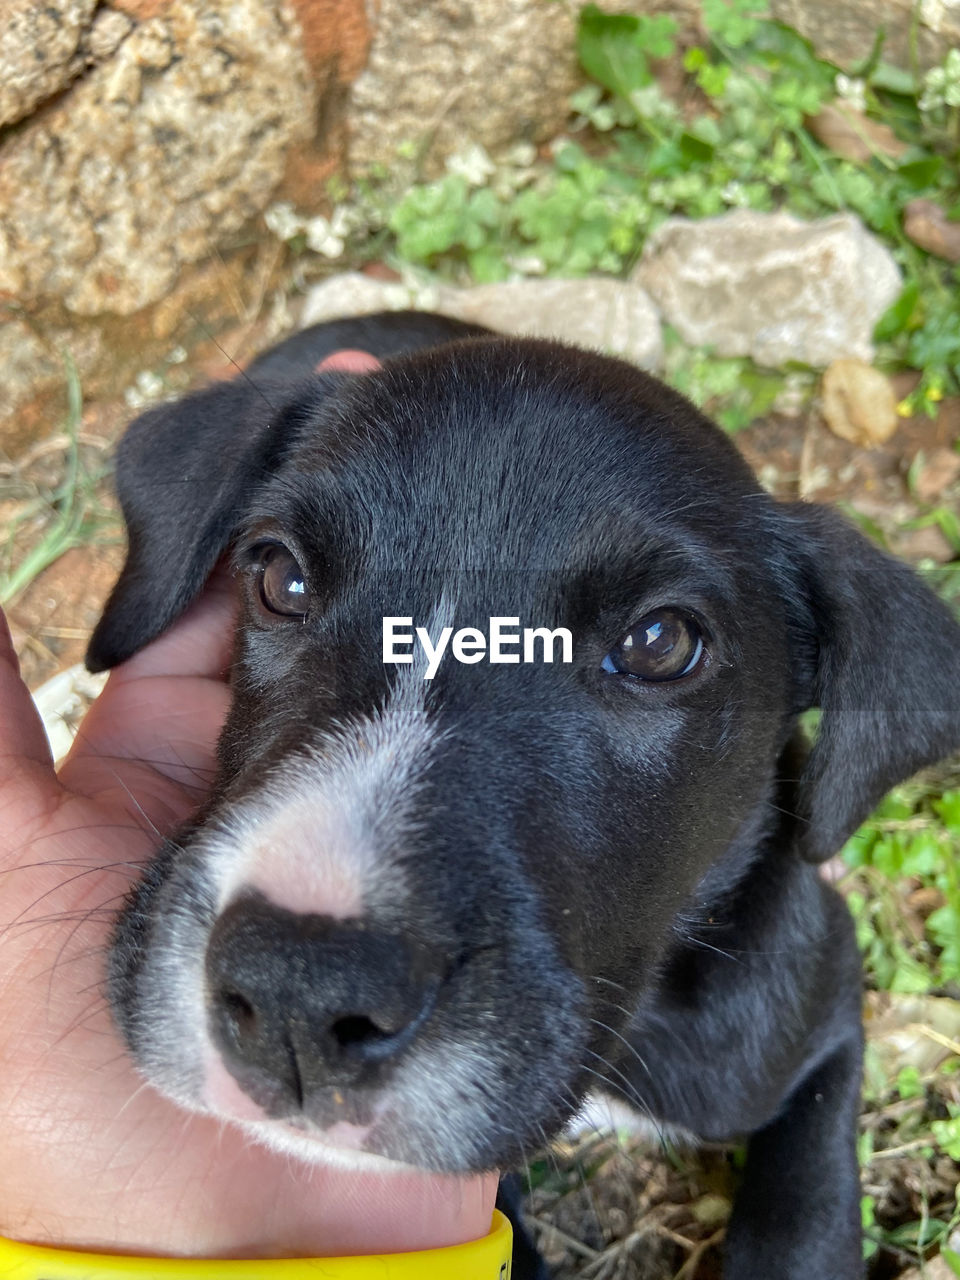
349 361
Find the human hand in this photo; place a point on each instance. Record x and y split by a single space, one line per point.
90 1156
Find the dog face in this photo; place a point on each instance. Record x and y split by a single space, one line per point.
415 913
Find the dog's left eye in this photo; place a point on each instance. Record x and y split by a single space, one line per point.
665 645
282 586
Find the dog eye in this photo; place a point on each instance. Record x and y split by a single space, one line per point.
665 645
282 586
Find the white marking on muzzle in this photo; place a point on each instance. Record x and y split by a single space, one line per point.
324 835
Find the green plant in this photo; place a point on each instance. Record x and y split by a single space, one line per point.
912 840
740 137
68 515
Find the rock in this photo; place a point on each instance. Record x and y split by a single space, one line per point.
927 225
109 29
593 312
177 140
32 376
24 358
843 31
352 293
110 352
935 474
858 403
770 285
441 75
596 312
39 50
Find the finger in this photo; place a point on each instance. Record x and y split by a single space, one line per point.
148 743
149 746
23 741
198 644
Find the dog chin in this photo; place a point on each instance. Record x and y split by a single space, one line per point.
341 1144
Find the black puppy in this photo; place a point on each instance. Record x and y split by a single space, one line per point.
420 918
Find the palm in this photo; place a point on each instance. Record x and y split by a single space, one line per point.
88 1154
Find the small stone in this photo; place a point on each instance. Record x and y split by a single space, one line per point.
711 1210
858 403
606 315
594 312
935 474
771 286
351 293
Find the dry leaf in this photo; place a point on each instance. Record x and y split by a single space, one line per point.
848 133
911 1030
928 226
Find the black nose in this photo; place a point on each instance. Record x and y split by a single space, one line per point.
302 1002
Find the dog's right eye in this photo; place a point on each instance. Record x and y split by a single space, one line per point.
282 585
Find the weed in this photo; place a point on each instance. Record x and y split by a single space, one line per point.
739 138
68 515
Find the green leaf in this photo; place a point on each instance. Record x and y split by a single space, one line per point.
909 1083
937 343
922 855
897 317
910 977
894 80
952 1260
946 1134
733 22
948 809
921 173
866 69
696 149
614 47
781 48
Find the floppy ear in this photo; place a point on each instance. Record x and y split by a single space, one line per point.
184 471
883 657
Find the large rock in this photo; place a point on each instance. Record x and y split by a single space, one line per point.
843 31
441 75
40 50
771 286
595 312
155 156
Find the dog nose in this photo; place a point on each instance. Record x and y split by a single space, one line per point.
298 1002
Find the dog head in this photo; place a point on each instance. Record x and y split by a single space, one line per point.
414 911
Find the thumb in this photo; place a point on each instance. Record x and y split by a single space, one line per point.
24 750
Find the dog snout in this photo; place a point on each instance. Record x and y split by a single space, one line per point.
299 1003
